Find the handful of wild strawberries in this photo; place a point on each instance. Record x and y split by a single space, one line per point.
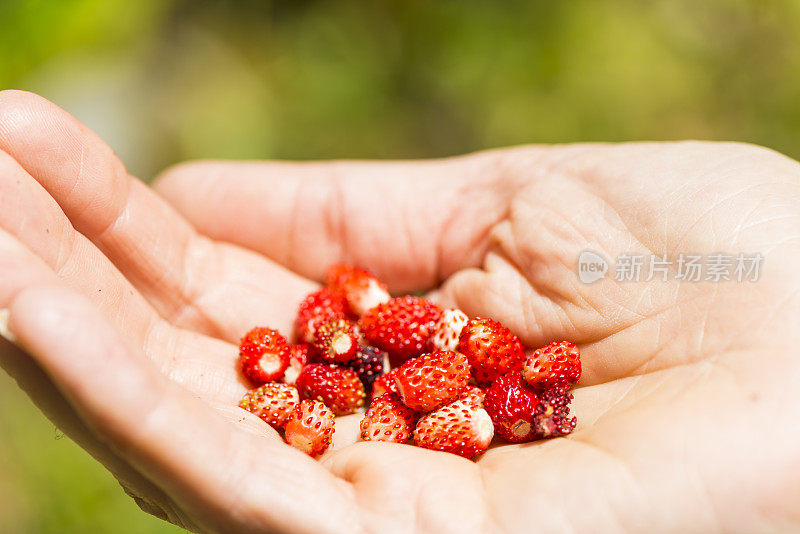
453 383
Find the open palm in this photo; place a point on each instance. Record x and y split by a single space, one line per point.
686 405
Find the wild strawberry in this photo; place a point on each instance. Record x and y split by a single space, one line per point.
339 388
368 365
317 308
263 355
388 419
310 427
512 405
555 365
358 286
491 348
522 413
271 402
401 327
298 358
553 418
335 341
432 380
447 329
385 384
459 428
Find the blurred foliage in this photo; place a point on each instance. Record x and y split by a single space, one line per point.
165 81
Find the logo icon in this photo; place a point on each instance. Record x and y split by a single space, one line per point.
591 266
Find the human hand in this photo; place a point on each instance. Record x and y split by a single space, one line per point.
686 387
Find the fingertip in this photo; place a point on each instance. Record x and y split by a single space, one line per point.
20 111
246 203
48 309
16 93
189 186
81 351
173 178
19 98
59 325
55 326
5 331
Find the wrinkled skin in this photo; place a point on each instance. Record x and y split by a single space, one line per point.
128 305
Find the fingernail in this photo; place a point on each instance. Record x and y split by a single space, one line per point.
4 331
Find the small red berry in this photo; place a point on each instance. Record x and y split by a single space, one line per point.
555 365
432 380
263 355
310 427
401 327
317 308
512 404
459 428
359 287
388 419
335 341
368 364
491 348
339 388
553 418
271 402
448 329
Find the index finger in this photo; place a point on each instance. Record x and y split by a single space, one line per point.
412 222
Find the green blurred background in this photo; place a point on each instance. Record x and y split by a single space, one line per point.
164 81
